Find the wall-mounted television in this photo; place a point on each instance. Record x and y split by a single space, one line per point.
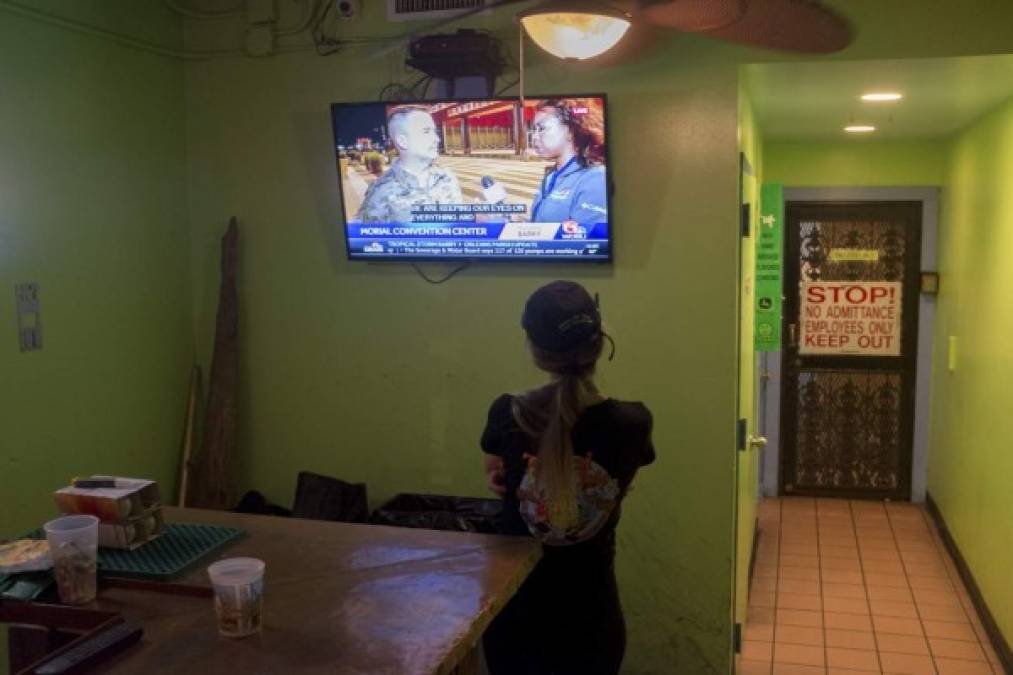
490 179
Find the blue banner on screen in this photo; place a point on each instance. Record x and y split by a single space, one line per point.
475 179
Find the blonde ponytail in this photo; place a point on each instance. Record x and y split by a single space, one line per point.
548 414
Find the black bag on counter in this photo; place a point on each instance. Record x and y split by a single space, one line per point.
440 512
325 498
256 503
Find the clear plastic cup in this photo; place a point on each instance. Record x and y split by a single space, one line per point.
239 595
73 546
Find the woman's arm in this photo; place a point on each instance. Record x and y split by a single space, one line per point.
492 443
494 472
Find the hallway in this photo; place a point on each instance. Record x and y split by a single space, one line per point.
853 586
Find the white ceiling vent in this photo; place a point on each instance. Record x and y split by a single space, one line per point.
426 10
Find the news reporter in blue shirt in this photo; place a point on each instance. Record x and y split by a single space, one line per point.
572 133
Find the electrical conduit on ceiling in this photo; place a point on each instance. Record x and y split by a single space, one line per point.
119 38
153 48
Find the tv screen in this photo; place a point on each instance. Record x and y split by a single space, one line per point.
475 179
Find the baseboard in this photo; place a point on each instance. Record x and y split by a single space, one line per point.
737 626
752 554
999 643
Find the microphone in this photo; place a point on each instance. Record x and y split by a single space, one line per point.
493 192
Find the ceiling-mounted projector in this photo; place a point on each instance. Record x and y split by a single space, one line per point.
456 55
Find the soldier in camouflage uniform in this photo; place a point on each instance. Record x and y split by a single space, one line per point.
414 178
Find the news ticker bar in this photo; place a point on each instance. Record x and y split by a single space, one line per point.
485 231
362 248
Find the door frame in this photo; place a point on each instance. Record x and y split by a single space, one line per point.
770 402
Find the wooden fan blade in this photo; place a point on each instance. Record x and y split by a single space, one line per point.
692 15
639 42
791 25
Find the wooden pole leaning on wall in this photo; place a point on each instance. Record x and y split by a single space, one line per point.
189 425
211 470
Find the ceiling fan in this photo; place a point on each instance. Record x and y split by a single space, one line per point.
806 26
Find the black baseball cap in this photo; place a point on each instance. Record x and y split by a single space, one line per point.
561 316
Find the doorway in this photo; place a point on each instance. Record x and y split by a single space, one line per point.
849 362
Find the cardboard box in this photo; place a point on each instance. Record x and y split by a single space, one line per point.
131 512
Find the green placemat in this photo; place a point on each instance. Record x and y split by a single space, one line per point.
181 546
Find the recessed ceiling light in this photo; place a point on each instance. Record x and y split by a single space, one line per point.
882 96
859 128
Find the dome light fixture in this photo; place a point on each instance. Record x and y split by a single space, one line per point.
572 29
859 128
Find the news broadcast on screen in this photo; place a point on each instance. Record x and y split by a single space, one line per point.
491 179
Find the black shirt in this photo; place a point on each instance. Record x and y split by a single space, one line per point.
615 435
566 619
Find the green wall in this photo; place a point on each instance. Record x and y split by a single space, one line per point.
368 373
854 162
91 208
969 459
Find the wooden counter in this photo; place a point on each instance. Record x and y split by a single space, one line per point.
338 598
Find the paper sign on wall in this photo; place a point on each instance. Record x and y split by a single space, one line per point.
852 318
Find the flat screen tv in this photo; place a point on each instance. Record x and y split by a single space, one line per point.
475 179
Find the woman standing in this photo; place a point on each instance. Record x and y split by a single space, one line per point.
563 456
571 132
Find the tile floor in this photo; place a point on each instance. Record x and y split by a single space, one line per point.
847 587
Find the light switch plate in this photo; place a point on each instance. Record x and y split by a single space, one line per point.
29 316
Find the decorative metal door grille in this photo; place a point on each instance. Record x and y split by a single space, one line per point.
849 430
847 421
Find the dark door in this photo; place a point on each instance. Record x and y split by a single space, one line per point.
852 274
